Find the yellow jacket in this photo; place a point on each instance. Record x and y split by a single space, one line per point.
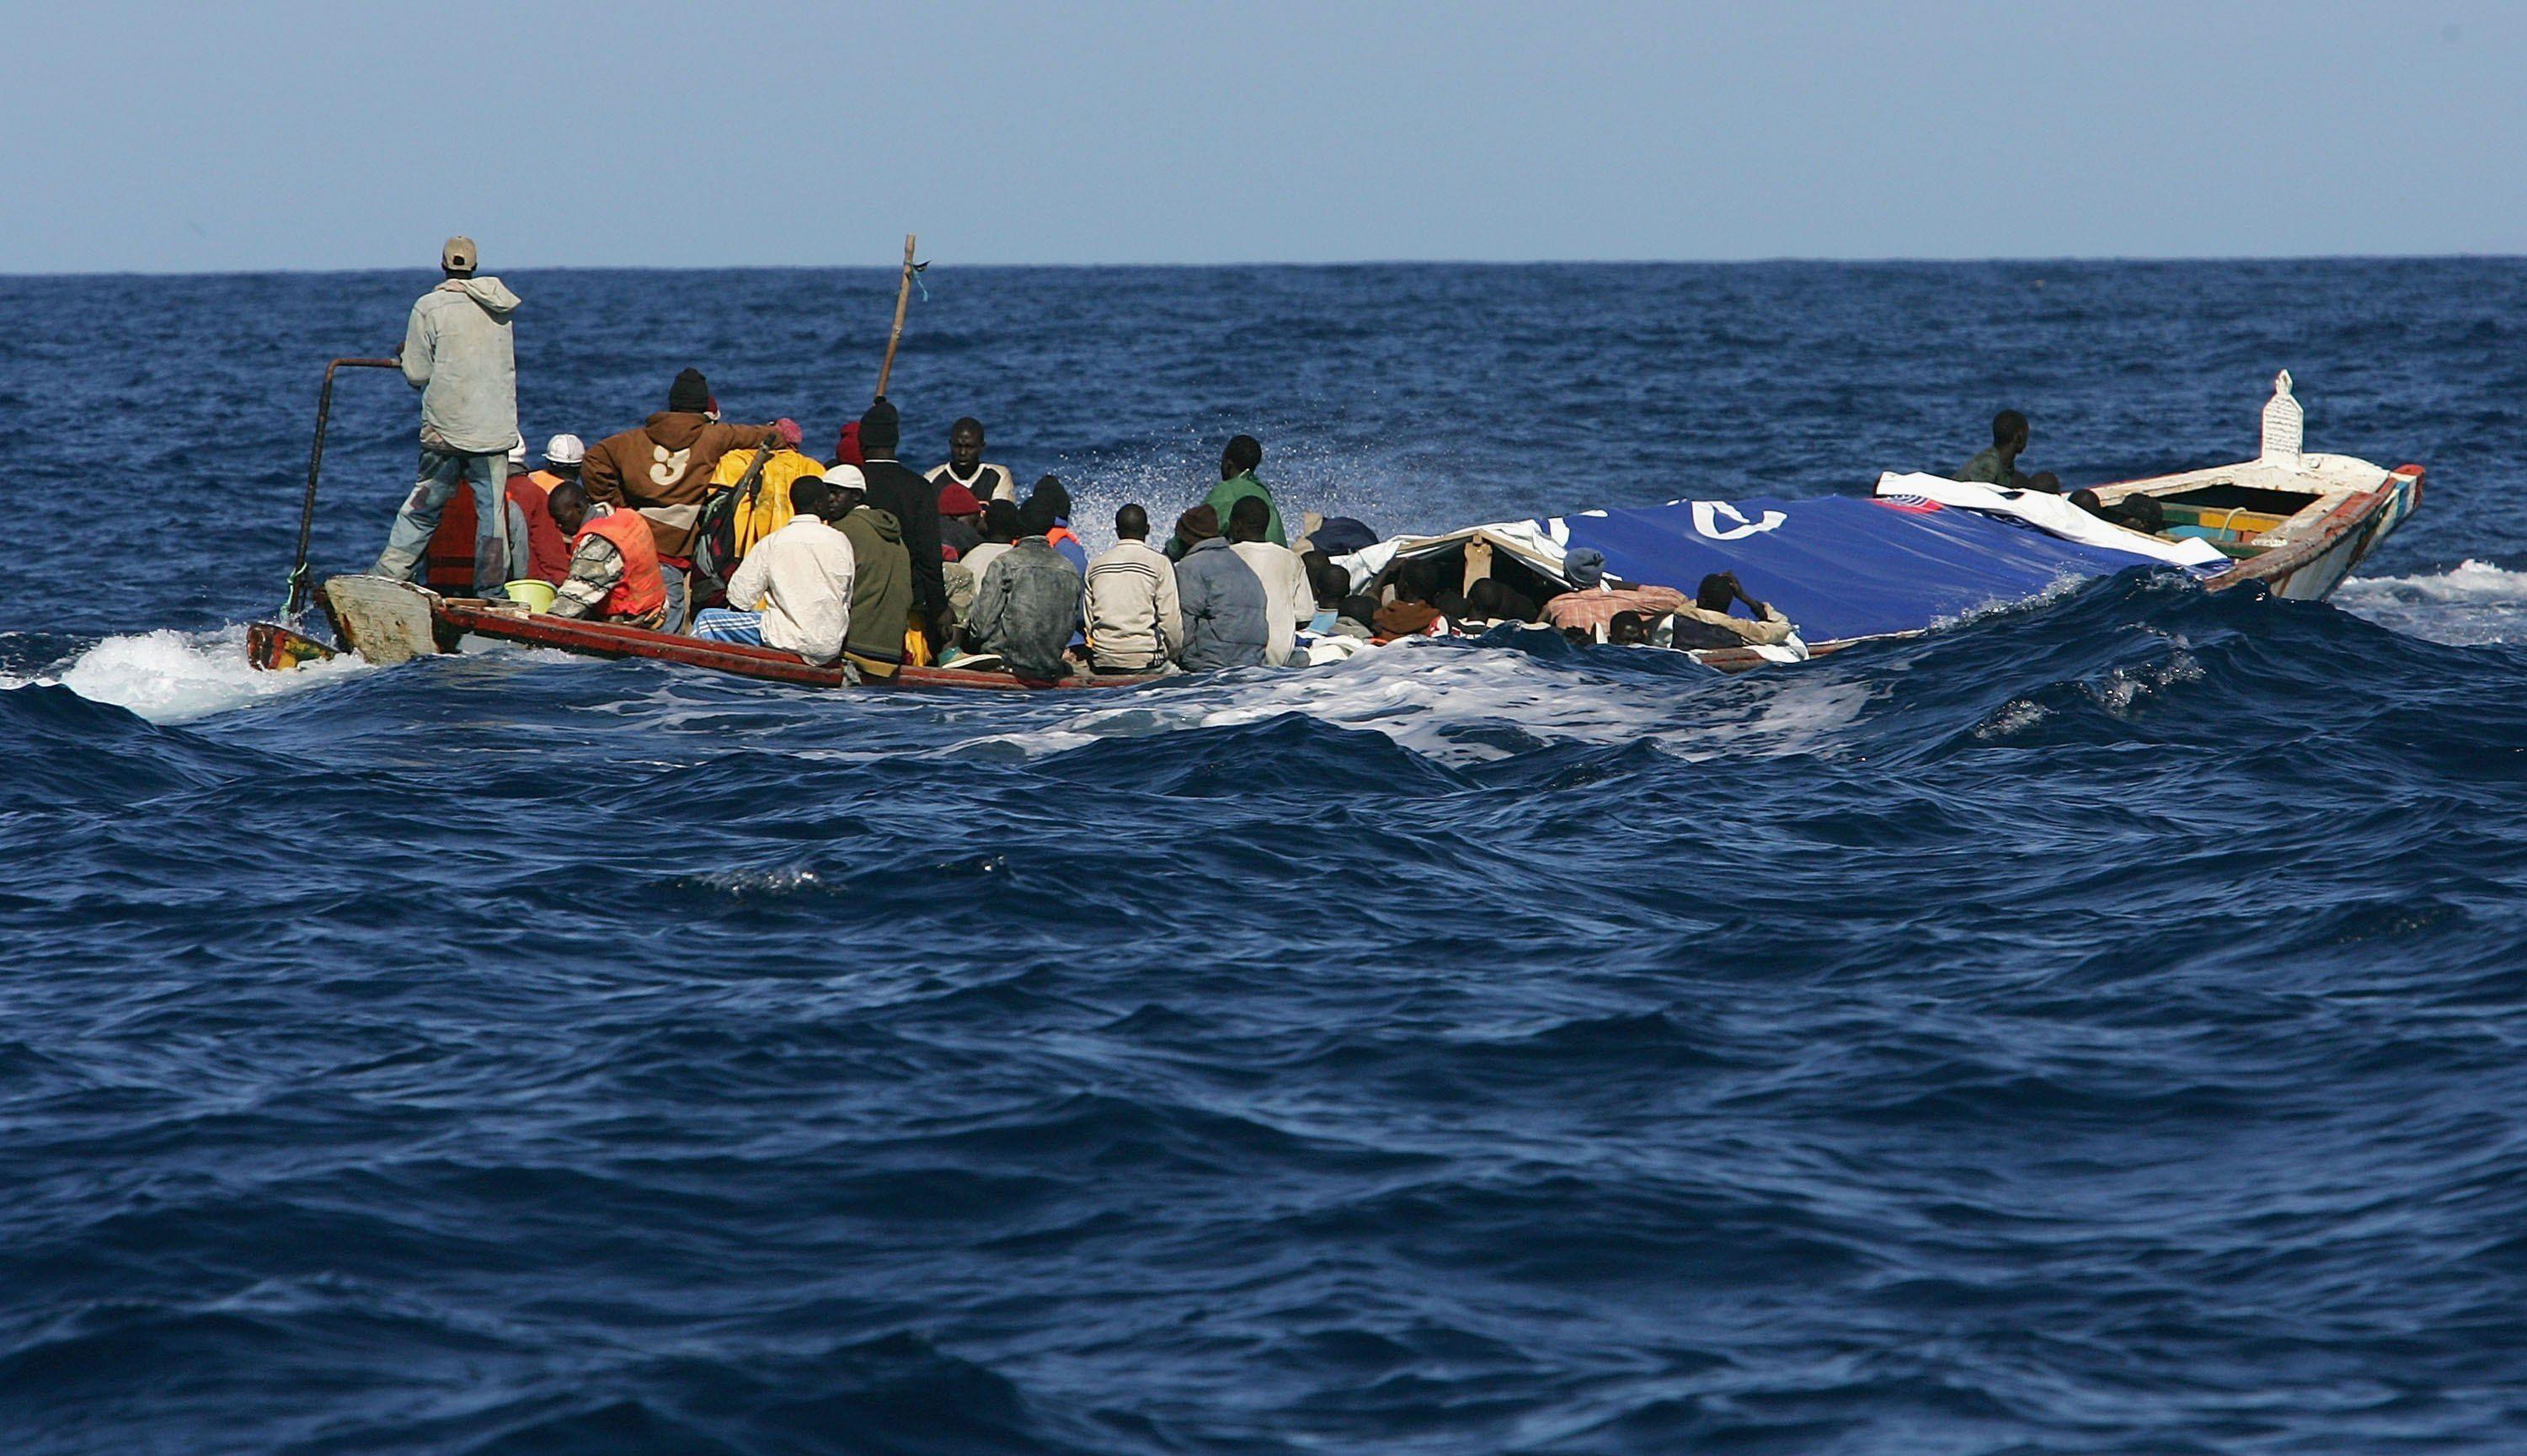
769 508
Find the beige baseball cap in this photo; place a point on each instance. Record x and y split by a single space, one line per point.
459 255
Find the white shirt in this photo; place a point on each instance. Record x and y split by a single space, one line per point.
799 577
1288 599
980 559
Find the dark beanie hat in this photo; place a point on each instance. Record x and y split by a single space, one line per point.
1053 492
1198 525
1001 521
880 429
690 394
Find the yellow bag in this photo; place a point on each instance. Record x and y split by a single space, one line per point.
769 508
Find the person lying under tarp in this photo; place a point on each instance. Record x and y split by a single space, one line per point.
2138 512
1665 616
1706 623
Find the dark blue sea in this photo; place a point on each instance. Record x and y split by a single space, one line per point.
2099 1027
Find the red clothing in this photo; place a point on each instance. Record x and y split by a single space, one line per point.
452 546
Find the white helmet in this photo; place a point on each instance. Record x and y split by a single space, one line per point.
565 449
518 453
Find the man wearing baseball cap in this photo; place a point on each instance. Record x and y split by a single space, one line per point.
458 352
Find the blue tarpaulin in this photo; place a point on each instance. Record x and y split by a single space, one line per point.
1840 567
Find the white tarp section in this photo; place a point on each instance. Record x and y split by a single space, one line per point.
1525 539
2053 514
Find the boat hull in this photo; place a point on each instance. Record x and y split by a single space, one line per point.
375 617
2308 571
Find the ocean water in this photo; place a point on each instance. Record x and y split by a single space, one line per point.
2094 1028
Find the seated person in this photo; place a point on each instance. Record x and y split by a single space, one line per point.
1358 615
1705 623
1289 600
537 548
1414 611
1588 609
1628 630
873 638
1490 601
1000 531
615 571
1061 538
2138 512
794 590
1026 608
1221 596
969 470
1135 623
1998 466
961 520
1328 583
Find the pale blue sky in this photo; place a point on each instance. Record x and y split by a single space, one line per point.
186 137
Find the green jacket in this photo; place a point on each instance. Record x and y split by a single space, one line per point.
1225 495
1987 468
881 585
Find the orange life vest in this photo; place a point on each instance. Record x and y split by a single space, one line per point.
642 590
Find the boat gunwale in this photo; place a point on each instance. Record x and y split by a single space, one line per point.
765 664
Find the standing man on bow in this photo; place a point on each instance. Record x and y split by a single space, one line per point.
458 352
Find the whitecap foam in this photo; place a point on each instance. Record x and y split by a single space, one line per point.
173 677
2471 602
1453 704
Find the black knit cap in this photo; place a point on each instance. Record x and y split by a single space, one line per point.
1054 493
879 429
690 394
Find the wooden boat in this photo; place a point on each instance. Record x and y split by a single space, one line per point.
2295 523
388 622
2291 521
391 622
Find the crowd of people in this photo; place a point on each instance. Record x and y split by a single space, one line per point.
735 533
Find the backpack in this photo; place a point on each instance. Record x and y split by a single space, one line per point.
732 522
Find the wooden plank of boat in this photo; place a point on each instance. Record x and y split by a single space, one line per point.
513 623
386 621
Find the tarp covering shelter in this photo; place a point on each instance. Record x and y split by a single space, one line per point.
1836 566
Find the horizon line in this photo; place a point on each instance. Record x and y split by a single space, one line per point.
1786 259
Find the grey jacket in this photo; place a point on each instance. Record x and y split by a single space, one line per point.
1224 621
457 352
1026 608
1133 620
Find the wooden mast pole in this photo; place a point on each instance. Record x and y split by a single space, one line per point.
903 299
